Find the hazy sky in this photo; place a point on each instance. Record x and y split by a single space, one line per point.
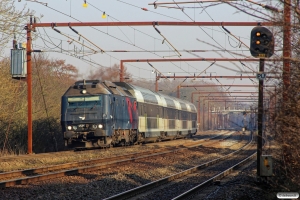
144 41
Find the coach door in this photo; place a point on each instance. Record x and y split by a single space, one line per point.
161 121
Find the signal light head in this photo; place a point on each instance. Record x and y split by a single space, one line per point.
261 42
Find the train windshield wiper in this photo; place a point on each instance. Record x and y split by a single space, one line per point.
94 105
78 105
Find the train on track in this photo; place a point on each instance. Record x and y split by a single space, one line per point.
98 113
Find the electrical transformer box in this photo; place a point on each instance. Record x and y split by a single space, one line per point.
18 64
266 165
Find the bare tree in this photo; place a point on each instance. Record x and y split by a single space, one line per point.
109 74
51 78
12 22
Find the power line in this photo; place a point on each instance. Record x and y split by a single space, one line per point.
109 35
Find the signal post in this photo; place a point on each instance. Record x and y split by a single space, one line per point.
261 46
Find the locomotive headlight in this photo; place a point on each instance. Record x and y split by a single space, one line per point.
94 126
83 91
69 128
100 126
74 128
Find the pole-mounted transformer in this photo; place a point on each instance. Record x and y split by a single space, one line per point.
18 64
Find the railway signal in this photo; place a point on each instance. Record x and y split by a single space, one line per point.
261 42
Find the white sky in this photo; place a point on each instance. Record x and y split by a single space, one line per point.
145 38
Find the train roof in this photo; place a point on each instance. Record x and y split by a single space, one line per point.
95 87
149 96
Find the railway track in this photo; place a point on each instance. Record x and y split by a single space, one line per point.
75 151
187 183
49 172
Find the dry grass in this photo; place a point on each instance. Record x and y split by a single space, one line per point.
28 162
66 157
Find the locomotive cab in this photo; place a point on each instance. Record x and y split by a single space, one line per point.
85 114
97 114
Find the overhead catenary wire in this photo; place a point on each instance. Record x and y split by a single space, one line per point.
235 37
124 34
165 39
142 50
73 39
66 52
220 49
201 27
158 71
75 31
227 51
201 72
230 61
110 34
232 53
35 1
69 53
223 86
224 66
215 40
44 101
206 32
255 10
268 7
253 15
185 2
162 15
119 21
207 68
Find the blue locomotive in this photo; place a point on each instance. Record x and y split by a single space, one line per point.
96 113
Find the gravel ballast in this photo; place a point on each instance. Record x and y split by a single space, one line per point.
101 184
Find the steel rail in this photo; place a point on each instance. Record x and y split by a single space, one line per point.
31 156
154 184
111 162
214 178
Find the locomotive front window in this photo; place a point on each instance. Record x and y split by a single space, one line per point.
84 108
75 102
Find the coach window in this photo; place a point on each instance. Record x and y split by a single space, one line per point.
160 111
141 110
166 113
